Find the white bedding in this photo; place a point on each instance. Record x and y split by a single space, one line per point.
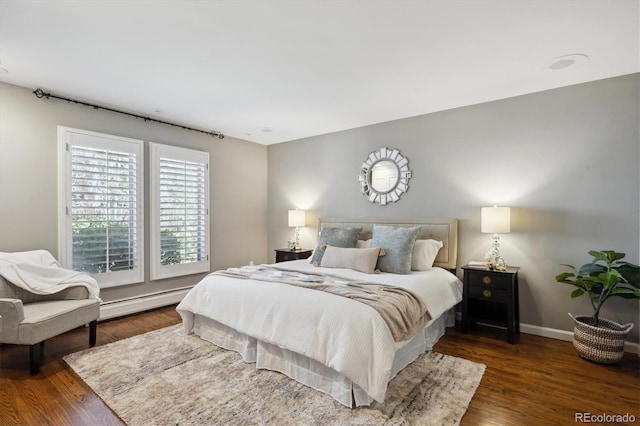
345 335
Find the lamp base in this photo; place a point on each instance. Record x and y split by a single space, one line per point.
493 258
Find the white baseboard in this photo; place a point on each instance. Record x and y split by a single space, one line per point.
554 333
119 308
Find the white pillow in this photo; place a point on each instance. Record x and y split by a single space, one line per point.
358 259
424 254
363 243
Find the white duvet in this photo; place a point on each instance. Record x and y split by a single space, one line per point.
343 334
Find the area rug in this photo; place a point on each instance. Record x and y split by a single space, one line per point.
166 377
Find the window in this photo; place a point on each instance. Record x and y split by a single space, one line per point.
179 211
100 195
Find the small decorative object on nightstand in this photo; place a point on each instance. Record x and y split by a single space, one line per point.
283 255
491 297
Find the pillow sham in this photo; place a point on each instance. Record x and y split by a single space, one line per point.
358 259
424 254
398 243
337 237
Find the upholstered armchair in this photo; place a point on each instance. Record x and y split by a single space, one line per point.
30 319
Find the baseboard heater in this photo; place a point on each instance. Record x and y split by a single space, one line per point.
132 305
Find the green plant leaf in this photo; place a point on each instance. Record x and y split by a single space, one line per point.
588 285
563 276
592 269
611 279
594 288
577 292
599 255
573 268
627 296
630 272
613 255
625 290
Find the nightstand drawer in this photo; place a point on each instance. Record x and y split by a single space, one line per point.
284 255
490 280
490 294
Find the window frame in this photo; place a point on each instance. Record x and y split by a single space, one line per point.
68 137
158 151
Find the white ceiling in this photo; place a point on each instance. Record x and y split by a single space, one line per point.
274 71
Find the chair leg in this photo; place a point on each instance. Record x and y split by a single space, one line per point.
34 359
93 326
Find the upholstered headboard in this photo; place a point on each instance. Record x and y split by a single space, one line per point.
445 230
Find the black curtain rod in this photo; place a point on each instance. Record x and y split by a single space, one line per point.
41 94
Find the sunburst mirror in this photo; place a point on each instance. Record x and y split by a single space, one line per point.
384 176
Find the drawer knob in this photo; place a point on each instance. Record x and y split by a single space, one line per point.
486 293
486 279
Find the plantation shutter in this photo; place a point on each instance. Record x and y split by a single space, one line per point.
182 211
104 207
180 206
103 210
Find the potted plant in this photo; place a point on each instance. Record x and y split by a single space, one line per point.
606 276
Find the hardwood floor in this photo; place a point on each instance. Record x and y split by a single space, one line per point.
57 396
536 381
542 381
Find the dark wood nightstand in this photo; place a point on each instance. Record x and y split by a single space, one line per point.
491 297
282 255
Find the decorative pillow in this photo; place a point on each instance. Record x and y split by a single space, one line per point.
358 259
337 237
424 254
398 243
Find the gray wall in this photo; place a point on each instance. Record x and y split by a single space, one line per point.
28 191
566 161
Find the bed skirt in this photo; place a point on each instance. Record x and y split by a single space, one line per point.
310 372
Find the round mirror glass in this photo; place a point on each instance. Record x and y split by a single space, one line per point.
384 176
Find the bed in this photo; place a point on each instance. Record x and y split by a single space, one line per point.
334 344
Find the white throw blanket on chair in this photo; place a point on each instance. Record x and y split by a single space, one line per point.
38 272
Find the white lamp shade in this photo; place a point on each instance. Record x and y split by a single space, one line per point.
496 220
296 218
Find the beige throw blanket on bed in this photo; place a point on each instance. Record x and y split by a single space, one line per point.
404 312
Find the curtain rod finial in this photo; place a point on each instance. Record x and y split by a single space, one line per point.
40 94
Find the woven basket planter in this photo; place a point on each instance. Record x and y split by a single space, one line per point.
604 344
